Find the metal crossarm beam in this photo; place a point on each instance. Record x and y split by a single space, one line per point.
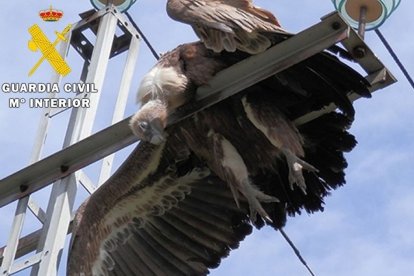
65 162
32 260
331 30
26 245
378 75
259 67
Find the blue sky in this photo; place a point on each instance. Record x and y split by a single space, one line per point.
366 228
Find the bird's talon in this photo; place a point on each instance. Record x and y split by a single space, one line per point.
254 196
296 167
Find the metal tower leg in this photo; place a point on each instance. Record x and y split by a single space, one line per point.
60 207
11 249
121 102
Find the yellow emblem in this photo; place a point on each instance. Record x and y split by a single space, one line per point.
40 42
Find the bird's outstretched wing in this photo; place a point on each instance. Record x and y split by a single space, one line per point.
154 217
161 216
226 24
180 207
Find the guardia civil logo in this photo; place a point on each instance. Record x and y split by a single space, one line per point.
40 43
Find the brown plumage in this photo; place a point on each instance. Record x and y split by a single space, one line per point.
228 25
283 135
170 208
169 84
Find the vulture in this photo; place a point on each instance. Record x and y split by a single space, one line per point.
228 25
190 192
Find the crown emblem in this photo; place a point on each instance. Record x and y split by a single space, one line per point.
51 14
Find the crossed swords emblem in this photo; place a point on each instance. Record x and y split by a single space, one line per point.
40 42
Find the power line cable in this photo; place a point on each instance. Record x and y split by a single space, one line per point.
395 57
154 53
296 250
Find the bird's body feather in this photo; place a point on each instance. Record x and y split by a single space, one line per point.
170 208
226 24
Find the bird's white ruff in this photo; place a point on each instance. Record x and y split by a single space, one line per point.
159 81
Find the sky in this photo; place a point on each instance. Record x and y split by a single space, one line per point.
366 228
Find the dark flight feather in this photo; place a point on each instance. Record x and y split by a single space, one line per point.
169 210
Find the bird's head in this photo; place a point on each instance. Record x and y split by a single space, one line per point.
149 122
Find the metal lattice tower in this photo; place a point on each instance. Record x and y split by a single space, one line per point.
48 242
63 168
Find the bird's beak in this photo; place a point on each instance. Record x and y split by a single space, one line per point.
157 131
158 135
157 139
